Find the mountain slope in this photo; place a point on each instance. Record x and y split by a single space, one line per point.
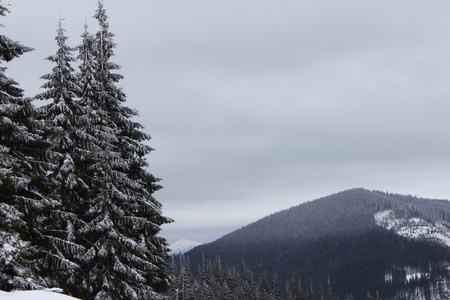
339 236
415 228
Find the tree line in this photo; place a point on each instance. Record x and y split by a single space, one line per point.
213 280
76 201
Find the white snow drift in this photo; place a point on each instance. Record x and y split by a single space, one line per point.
51 294
415 228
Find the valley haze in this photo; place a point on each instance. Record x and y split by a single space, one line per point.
258 106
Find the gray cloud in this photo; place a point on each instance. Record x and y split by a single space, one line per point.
256 106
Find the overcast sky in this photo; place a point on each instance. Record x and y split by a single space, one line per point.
255 106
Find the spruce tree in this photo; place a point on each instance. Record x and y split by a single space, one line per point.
182 287
22 205
310 291
125 259
300 295
64 118
330 293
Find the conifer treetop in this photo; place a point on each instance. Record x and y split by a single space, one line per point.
105 46
101 16
86 75
62 86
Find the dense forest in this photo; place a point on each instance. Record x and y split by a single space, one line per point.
76 201
215 281
356 266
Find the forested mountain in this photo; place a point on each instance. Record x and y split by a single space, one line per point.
345 236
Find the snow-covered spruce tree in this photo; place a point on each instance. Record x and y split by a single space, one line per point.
65 120
125 259
22 206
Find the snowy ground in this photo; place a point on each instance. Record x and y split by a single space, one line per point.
34 295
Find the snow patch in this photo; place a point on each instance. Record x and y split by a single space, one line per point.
414 274
50 294
415 228
388 277
8 248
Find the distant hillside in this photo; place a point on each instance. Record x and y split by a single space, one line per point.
339 236
182 246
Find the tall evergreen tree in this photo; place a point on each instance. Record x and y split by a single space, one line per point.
300 295
330 293
310 291
275 288
125 258
22 206
65 121
182 278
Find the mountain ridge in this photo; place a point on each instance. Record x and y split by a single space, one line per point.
337 214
